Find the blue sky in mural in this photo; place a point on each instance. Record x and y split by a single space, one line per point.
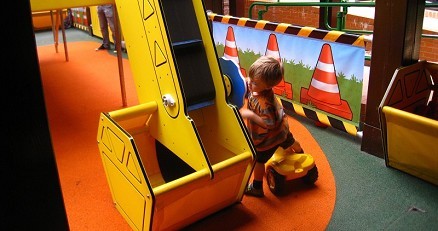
348 59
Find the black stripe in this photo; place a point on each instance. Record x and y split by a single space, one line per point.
292 30
337 124
251 23
270 26
318 34
311 114
233 21
217 18
288 107
347 38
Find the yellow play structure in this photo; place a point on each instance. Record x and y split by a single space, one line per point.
410 137
183 153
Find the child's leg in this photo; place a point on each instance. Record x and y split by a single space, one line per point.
294 148
256 187
259 171
297 147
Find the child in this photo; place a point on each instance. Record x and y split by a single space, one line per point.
266 123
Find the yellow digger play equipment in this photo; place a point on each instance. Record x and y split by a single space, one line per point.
183 153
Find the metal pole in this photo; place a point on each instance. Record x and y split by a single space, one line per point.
119 56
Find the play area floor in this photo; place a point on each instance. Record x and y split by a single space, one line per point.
354 191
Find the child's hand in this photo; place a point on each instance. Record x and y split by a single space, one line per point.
245 113
248 114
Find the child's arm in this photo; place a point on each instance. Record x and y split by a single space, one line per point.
248 114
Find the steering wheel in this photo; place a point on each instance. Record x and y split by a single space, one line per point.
234 82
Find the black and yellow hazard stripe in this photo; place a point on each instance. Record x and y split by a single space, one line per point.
81 27
310 32
291 108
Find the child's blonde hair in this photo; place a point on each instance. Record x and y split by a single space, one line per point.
268 69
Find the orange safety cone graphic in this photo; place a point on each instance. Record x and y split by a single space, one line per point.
85 19
323 91
272 48
230 51
283 88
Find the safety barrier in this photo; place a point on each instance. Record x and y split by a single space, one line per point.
326 106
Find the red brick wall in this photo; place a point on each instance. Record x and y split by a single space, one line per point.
301 16
429 48
309 16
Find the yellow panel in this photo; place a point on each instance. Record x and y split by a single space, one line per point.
133 167
411 143
42 20
130 190
218 193
155 75
159 57
118 147
129 202
41 5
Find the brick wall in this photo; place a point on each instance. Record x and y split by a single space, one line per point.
309 16
302 16
429 49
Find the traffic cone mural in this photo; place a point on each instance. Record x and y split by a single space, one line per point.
272 48
323 91
230 51
85 18
283 88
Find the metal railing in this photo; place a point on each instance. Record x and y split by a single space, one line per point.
340 18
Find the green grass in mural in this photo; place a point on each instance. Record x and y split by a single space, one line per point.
300 75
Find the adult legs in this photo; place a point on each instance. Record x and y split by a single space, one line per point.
110 21
103 28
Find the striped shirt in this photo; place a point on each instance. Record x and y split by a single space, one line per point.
269 108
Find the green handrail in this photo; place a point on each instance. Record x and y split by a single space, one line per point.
322 4
340 25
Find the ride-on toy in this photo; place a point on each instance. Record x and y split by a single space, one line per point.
281 167
284 167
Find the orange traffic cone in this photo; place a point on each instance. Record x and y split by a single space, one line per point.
323 91
230 51
283 88
272 48
324 84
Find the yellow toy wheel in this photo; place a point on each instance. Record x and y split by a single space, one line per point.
311 176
